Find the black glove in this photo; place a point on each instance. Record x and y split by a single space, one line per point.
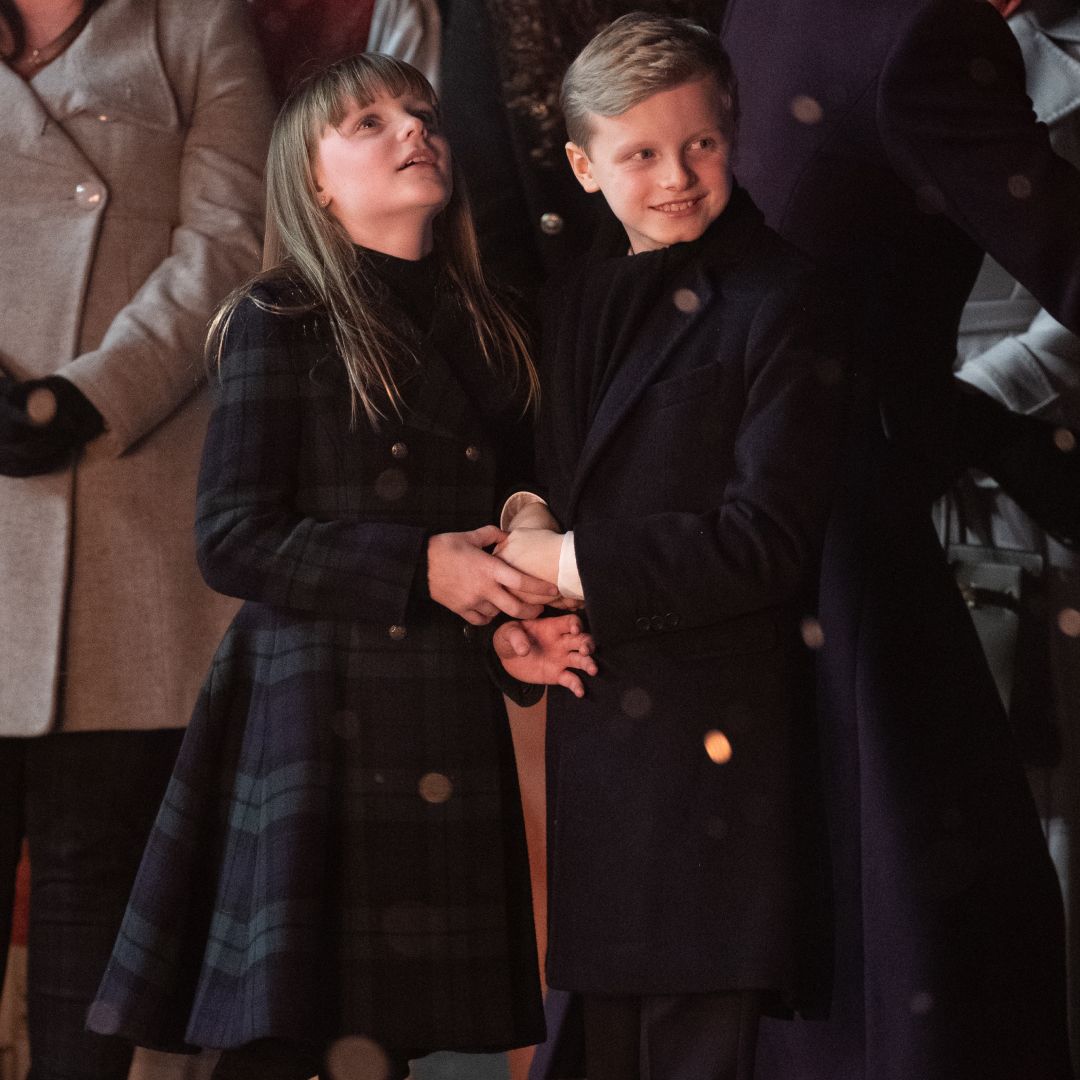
1036 463
42 443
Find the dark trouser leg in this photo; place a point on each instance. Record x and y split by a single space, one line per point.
12 824
91 800
612 1037
672 1037
266 1059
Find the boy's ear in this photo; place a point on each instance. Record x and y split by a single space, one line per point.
579 162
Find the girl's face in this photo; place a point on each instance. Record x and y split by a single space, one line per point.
384 173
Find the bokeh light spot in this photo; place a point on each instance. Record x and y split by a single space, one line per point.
686 300
636 703
1019 186
1064 440
435 788
921 1003
807 110
357 1058
812 634
41 406
1069 622
718 747
391 484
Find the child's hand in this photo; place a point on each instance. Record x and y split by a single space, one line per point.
532 551
546 651
477 586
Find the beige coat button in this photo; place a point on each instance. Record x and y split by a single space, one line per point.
399 450
90 195
397 633
551 224
473 453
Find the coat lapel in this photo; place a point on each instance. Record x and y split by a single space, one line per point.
28 130
436 401
659 339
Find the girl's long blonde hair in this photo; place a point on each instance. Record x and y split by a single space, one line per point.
305 243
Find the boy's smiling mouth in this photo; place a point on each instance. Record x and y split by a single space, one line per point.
678 207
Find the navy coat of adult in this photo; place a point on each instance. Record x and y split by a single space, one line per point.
697 492
893 141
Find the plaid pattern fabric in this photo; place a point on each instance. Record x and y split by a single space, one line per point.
341 847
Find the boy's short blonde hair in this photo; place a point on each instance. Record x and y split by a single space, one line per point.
637 56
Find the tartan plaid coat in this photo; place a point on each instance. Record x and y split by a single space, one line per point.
341 847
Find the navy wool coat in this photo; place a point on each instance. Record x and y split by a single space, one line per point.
697 494
892 140
341 847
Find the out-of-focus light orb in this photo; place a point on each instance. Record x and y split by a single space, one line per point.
718 747
357 1058
686 300
41 406
812 634
391 484
435 788
1065 440
807 110
636 703
1069 622
1019 186
921 1003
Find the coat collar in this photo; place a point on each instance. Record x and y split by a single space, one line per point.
1053 72
686 300
113 69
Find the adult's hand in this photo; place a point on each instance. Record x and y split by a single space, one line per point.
477 586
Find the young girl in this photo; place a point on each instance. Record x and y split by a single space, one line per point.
340 852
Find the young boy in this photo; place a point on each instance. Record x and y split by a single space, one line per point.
690 410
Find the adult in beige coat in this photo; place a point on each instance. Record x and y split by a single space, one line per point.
130 205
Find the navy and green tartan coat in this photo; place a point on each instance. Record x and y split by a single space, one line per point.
341 847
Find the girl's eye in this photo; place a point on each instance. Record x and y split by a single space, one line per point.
367 122
643 155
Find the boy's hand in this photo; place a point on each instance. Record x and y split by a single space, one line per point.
546 651
532 551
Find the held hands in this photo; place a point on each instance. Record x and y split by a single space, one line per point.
535 550
477 586
546 651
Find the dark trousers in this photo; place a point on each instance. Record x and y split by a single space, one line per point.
672 1037
85 802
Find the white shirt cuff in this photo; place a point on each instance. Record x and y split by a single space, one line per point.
515 504
569 582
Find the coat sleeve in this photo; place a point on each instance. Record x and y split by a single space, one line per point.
149 360
757 548
252 540
960 131
409 30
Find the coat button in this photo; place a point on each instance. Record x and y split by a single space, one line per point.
643 624
473 453
671 620
551 224
657 622
399 450
397 633
90 195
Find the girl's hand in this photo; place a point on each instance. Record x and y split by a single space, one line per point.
477 586
546 651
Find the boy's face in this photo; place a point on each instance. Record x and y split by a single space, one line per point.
662 165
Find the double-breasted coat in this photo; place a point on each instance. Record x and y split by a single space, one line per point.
132 204
697 490
893 141
341 848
